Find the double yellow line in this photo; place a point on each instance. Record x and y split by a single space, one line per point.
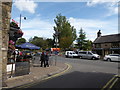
58 74
34 83
111 83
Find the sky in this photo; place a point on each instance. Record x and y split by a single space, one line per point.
90 15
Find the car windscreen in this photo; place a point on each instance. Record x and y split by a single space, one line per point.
93 52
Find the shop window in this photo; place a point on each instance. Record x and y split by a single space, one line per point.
115 45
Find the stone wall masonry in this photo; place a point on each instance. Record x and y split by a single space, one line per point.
5 10
106 45
0 45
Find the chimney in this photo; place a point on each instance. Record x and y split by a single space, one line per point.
99 33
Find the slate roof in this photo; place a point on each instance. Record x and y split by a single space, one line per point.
108 39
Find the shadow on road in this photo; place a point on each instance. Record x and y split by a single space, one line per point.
76 80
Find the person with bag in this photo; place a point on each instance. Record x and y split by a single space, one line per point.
43 60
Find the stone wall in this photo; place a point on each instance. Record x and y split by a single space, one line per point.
106 45
5 13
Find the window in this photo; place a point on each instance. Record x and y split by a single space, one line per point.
98 46
115 45
82 52
89 53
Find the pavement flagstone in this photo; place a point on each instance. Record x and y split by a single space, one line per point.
36 73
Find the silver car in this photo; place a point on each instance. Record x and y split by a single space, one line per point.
112 57
88 55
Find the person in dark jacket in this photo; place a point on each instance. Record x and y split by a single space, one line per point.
47 59
43 59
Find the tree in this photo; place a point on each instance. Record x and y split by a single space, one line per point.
41 42
81 40
88 45
66 33
82 43
50 42
21 41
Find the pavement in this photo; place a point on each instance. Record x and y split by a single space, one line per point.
36 73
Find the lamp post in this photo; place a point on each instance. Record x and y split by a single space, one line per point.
20 20
56 44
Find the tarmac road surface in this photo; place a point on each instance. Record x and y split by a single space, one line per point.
75 80
83 74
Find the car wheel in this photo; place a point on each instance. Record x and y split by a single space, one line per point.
109 59
80 57
93 58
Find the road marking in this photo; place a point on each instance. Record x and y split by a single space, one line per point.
108 83
113 83
33 83
58 74
114 79
118 76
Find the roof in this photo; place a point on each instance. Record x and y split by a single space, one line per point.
108 39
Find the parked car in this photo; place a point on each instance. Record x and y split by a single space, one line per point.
88 55
70 54
112 57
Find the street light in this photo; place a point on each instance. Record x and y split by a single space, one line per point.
20 19
56 43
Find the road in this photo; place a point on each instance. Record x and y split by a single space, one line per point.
83 74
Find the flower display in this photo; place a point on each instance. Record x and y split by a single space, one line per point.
11 42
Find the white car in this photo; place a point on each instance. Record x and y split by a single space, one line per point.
70 54
112 57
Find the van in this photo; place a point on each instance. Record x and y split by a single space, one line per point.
70 54
88 55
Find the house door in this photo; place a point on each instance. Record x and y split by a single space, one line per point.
106 52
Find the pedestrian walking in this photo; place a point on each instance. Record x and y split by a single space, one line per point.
47 59
43 60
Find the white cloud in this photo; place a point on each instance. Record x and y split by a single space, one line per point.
91 26
95 2
111 5
26 5
112 11
44 28
37 27
40 33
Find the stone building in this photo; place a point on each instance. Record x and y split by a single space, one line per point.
5 15
107 44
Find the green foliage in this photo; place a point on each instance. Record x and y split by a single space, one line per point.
21 41
41 42
50 42
87 45
67 33
82 43
81 39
